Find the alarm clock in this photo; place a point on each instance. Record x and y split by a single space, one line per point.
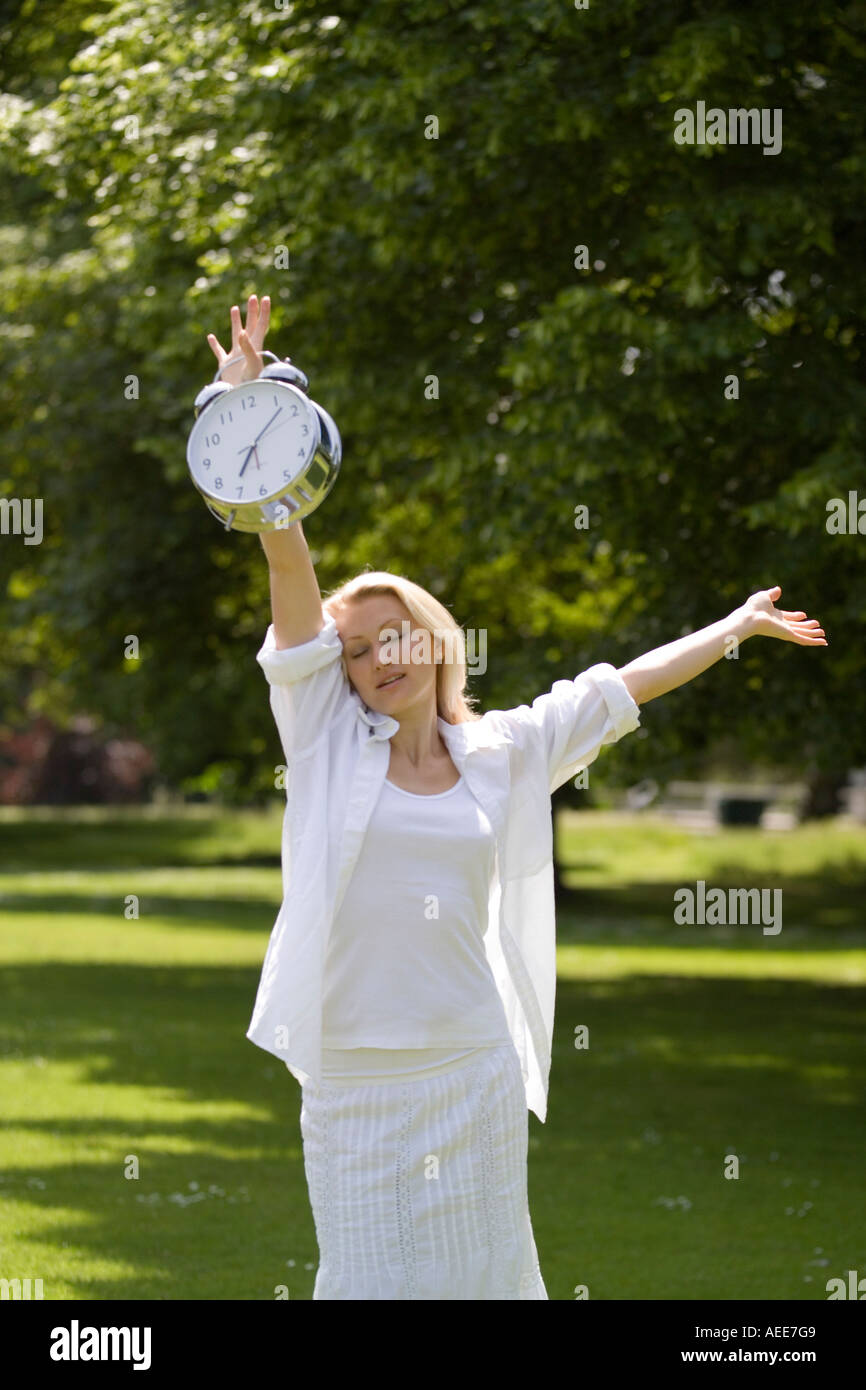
262 454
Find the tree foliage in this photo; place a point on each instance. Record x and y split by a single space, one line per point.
161 162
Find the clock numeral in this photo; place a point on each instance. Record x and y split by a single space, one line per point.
223 417
302 453
294 410
240 492
205 463
305 429
211 439
287 475
217 482
263 492
248 402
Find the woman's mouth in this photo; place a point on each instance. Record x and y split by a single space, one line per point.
392 680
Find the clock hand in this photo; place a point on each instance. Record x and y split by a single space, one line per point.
261 436
277 412
251 450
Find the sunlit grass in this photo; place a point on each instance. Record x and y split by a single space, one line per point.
123 1043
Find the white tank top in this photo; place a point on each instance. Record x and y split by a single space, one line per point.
408 989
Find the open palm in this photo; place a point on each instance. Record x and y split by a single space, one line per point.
788 627
247 343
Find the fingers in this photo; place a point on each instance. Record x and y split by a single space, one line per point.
252 314
809 634
265 318
258 318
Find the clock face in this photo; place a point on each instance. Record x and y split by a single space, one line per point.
253 441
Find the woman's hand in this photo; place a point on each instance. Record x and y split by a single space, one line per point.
249 341
768 621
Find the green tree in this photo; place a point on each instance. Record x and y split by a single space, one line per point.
410 185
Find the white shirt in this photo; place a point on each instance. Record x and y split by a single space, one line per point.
337 755
406 965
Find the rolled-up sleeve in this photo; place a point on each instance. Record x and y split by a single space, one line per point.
309 689
576 718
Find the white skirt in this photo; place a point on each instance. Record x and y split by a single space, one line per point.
419 1187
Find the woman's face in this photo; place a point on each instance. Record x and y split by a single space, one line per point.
373 658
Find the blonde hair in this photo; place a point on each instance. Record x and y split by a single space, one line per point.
452 703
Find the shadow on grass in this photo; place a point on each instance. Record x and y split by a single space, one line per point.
255 911
628 1177
29 845
679 1073
817 915
179 1031
823 913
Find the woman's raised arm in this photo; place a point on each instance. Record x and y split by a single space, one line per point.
296 602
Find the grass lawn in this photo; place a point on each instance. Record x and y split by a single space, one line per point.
122 1042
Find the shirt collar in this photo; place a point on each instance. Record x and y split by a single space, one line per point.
473 733
381 725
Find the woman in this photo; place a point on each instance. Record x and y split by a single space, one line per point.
409 980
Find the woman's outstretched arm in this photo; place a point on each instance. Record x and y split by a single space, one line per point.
664 668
